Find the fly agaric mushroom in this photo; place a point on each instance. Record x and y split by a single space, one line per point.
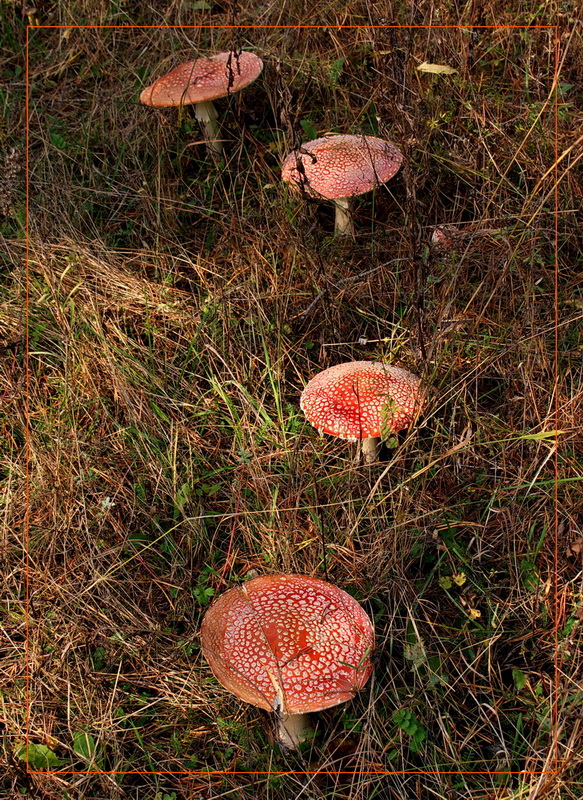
340 167
201 82
362 400
289 644
442 237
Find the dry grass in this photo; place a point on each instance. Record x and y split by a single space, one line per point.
175 310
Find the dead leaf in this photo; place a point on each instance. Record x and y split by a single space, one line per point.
575 548
436 69
416 653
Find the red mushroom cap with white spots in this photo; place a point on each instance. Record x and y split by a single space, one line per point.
203 79
342 165
442 238
362 399
288 642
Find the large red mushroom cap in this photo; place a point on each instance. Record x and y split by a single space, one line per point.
204 79
362 399
288 643
341 166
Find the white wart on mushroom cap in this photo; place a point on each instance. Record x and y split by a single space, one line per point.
288 642
341 166
204 79
362 399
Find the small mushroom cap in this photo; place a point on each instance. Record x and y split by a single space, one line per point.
204 79
341 166
289 643
362 399
442 237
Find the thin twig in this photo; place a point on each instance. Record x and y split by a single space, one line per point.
342 281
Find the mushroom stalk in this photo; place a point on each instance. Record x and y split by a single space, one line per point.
207 115
292 730
200 82
343 225
340 167
370 449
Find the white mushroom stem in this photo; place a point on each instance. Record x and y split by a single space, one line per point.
370 449
293 729
343 220
207 115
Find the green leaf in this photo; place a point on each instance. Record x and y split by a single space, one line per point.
542 435
159 413
84 744
530 575
352 723
417 740
139 538
38 756
519 679
202 594
183 495
336 69
403 718
308 129
389 409
416 653
98 658
410 727
210 489
58 140
391 442
406 721
400 716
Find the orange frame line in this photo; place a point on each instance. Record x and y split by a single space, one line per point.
288 27
559 599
